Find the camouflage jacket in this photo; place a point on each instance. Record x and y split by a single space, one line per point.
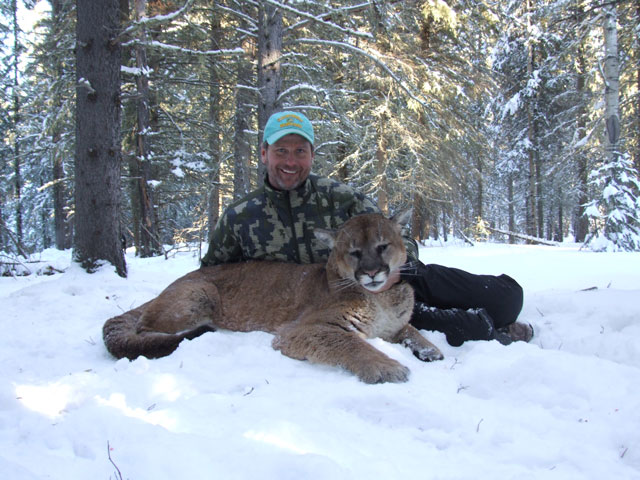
270 224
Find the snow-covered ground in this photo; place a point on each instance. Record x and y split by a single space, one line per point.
227 406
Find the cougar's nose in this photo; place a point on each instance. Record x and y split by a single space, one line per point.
371 273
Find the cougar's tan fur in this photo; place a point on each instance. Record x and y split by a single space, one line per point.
321 313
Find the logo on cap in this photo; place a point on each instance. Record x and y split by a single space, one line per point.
290 121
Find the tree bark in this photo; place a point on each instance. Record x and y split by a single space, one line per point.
59 11
612 83
539 186
3 236
532 210
98 153
511 206
418 221
17 166
381 166
215 36
269 79
148 237
559 235
582 221
478 207
242 116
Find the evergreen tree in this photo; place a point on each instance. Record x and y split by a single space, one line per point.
49 107
408 105
98 149
5 129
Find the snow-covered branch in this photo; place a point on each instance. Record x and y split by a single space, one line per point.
321 18
157 19
300 86
187 51
402 84
243 16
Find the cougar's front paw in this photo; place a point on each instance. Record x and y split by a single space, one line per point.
428 354
383 372
423 349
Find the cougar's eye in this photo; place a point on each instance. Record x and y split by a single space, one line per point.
382 247
356 254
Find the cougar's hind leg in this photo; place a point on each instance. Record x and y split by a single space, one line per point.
422 348
184 310
122 339
187 309
332 344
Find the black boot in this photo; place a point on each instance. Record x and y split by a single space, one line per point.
458 325
518 331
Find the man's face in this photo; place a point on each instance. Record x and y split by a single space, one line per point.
288 161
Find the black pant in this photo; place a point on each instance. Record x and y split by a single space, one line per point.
463 305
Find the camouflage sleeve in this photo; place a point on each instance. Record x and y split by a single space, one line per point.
224 246
363 204
411 246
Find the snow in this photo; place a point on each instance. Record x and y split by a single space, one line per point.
226 405
512 106
610 190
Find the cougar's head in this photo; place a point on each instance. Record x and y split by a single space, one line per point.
366 249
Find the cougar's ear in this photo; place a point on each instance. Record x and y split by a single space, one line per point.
402 217
328 237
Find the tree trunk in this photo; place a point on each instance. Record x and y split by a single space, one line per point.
215 36
269 80
479 212
445 232
146 216
559 236
59 10
636 153
381 166
531 190
242 115
532 210
61 225
539 203
612 83
17 166
511 206
98 154
418 221
582 221
3 237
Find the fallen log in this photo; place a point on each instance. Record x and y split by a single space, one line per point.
527 238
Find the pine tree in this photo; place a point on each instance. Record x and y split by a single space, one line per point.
49 117
616 214
98 143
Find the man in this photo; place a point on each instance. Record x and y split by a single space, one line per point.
276 222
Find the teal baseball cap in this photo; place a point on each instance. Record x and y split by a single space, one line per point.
284 123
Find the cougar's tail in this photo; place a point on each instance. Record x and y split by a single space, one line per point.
123 340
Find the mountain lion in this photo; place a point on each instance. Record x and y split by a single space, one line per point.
321 313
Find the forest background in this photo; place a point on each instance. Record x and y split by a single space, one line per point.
134 122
